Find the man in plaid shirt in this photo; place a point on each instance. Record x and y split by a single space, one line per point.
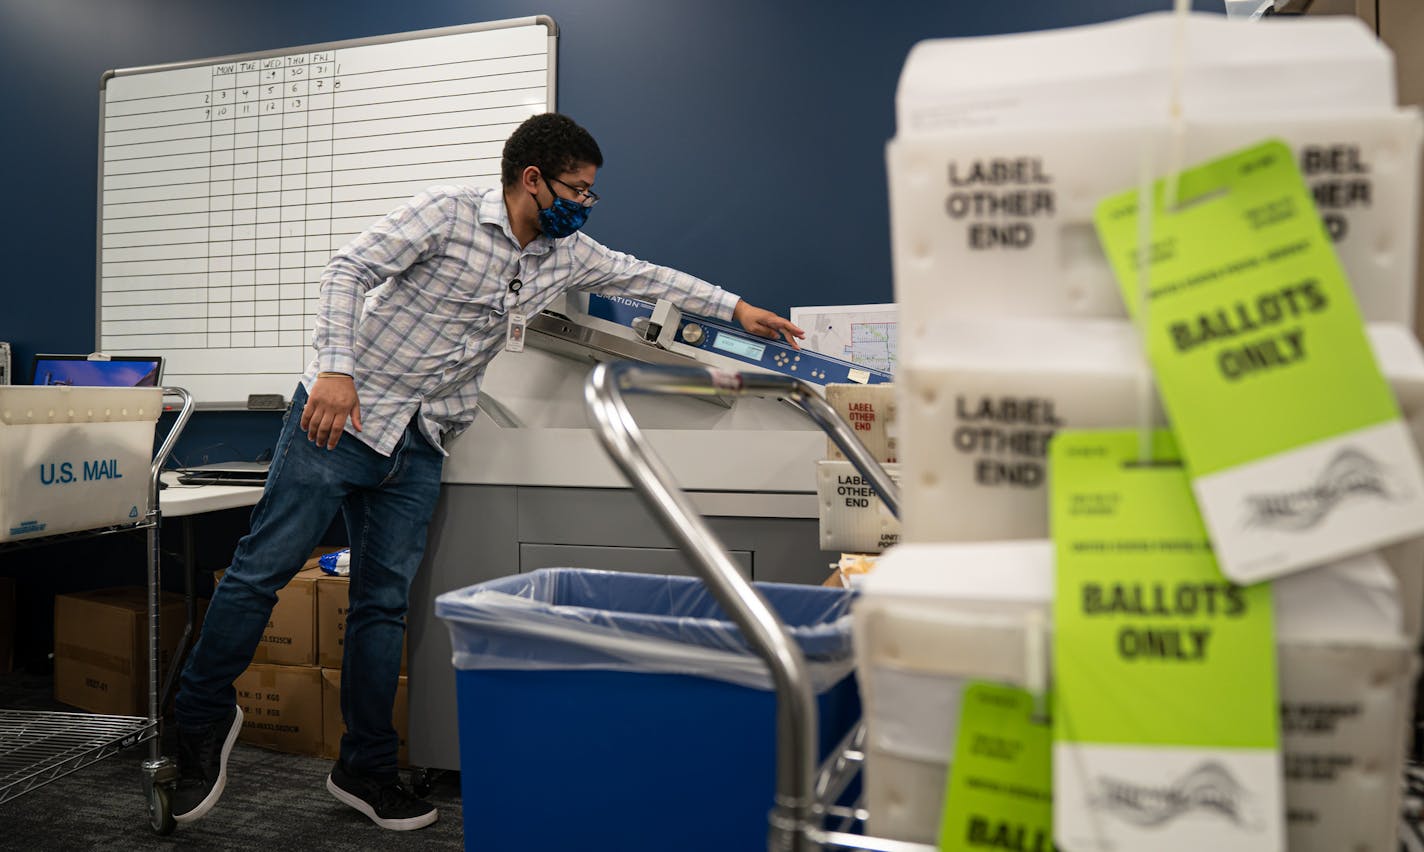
412 311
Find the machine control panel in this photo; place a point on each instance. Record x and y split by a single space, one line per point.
693 334
731 341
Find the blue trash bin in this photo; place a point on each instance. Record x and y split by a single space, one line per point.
610 711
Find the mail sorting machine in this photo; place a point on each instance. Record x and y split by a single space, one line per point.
805 817
37 747
527 486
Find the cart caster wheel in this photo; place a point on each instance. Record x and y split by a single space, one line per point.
421 782
160 809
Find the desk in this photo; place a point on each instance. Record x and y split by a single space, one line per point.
185 501
178 501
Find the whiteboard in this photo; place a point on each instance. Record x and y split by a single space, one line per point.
225 185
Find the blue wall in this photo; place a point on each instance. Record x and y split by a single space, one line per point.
744 139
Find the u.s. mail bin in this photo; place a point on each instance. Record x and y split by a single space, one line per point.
609 710
74 458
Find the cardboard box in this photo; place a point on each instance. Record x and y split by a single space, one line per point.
981 407
994 176
290 637
853 518
333 598
850 570
1339 757
101 648
7 624
982 402
870 411
281 708
333 726
74 458
933 617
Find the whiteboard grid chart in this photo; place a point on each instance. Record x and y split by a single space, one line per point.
226 186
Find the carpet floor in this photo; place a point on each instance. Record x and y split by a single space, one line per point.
273 801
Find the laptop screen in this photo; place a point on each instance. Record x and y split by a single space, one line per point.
120 371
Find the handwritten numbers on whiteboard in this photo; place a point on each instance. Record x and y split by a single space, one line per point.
278 190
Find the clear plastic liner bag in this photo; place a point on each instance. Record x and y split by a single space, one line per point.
575 619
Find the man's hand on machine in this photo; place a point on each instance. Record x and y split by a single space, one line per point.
764 323
331 401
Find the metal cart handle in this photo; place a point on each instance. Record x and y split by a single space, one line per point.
155 557
796 717
171 439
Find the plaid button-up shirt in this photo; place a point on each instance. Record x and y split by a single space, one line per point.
416 306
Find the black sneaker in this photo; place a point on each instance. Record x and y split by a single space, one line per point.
388 803
202 767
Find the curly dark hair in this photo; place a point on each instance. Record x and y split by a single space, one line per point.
552 142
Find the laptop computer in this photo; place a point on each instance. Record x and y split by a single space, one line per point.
115 371
225 473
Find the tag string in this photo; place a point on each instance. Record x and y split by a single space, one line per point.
1146 204
1145 386
1175 120
1036 663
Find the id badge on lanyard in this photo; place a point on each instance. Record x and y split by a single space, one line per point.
514 336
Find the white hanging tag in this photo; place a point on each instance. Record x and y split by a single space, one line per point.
514 338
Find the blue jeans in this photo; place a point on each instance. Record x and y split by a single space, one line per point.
387 503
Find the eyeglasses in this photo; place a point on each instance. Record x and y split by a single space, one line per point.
586 197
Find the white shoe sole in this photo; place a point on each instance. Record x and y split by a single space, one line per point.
216 793
407 824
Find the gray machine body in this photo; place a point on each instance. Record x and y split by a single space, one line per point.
528 486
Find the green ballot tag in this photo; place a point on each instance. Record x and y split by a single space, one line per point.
1292 437
999 794
1166 735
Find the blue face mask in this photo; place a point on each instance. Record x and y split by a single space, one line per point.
561 218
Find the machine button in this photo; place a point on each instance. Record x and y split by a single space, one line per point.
693 334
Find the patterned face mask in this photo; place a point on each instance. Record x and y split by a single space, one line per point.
561 218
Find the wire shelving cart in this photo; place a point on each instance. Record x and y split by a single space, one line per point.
37 747
805 817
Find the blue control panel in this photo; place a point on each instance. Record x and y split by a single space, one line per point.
733 341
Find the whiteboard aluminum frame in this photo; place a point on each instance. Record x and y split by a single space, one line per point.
509 23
